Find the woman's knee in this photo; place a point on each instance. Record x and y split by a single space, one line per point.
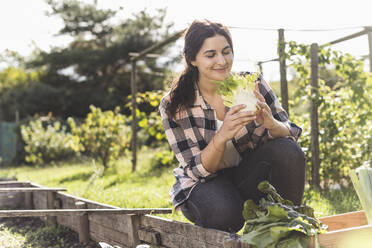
226 217
221 215
285 149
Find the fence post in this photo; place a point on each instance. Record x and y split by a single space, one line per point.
15 159
283 70
259 64
315 162
370 49
83 223
134 119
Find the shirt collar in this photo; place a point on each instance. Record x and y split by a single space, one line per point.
199 100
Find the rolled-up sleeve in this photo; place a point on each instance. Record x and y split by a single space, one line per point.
277 110
185 149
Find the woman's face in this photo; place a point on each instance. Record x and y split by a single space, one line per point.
214 59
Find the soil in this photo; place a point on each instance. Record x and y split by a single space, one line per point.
28 232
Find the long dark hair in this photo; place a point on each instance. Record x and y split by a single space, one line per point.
182 93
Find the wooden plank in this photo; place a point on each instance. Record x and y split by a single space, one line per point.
83 223
20 189
101 238
67 202
166 226
28 200
110 235
40 200
133 227
119 222
12 200
15 183
66 198
149 236
51 219
351 235
346 220
7 178
235 243
56 212
68 221
174 240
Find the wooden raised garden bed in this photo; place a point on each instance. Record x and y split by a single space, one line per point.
131 227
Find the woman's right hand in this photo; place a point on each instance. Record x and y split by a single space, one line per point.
234 121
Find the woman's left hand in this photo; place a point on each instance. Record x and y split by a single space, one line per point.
264 114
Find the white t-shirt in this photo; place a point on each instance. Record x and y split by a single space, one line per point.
231 156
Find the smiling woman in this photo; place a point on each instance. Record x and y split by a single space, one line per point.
224 153
214 60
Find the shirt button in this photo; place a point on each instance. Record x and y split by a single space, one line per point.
202 180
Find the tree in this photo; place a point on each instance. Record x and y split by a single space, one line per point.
95 67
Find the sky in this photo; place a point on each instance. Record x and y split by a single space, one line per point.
253 24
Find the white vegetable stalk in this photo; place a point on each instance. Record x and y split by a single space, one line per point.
247 97
238 89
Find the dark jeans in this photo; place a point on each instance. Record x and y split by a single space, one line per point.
218 203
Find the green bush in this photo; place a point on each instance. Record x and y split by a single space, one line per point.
344 111
48 141
150 131
164 158
104 135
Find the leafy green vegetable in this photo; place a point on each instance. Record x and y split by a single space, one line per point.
276 222
238 89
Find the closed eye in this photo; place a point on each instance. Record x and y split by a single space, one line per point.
210 54
227 50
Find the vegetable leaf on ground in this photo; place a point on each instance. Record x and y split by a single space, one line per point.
276 222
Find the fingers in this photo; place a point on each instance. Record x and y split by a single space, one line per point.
258 94
246 120
241 124
236 109
266 113
237 121
263 105
242 114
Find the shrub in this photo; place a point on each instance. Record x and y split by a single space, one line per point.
151 132
343 111
48 141
164 158
104 135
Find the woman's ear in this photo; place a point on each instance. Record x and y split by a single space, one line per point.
193 63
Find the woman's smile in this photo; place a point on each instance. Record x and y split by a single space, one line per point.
220 70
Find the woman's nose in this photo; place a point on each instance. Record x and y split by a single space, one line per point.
221 60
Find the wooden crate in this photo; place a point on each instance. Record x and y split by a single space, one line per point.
346 230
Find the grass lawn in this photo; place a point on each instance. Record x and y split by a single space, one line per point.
148 186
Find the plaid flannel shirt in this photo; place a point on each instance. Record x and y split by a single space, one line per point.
191 130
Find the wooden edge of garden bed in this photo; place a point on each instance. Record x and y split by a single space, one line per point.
169 233
346 220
